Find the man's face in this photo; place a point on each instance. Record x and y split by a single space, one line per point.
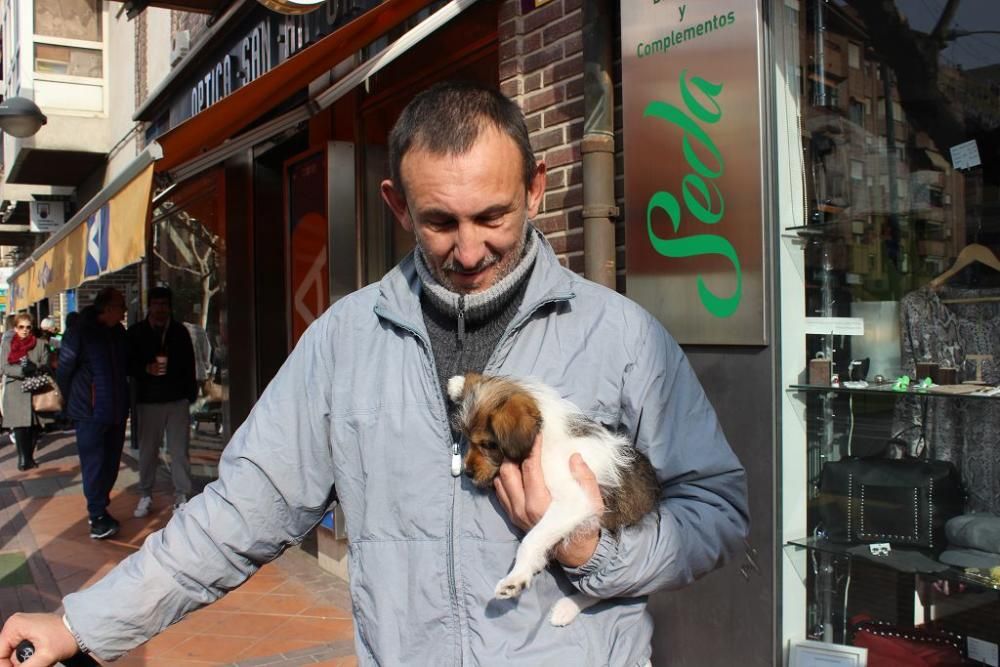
467 212
159 311
114 312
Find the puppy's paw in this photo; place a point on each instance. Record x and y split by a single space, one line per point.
563 612
512 585
455 386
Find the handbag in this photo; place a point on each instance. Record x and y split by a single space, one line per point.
890 646
905 502
33 383
50 400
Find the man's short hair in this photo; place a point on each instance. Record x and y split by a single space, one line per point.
160 292
47 324
104 297
447 119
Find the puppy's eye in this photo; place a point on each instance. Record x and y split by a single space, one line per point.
488 444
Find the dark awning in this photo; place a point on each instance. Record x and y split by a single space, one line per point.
235 112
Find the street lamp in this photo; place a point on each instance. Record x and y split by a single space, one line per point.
20 117
292 6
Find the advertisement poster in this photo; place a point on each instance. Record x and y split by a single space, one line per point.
694 167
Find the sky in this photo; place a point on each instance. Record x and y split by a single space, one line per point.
972 51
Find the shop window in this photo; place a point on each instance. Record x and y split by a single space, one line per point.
188 254
68 38
916 209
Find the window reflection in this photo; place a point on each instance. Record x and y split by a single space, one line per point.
188 254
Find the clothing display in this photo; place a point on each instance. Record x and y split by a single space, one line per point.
964 431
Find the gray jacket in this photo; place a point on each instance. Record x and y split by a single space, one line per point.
358 404
17 411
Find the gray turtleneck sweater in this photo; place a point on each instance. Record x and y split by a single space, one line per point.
465 329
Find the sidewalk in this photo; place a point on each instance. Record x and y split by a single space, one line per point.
289 613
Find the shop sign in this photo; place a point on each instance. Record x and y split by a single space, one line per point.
263 40
694 167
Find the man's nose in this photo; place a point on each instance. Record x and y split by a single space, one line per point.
469 246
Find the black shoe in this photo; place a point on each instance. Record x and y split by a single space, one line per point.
103 527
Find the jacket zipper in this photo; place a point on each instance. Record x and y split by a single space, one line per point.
452 583
456 479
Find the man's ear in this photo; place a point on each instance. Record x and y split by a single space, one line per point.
515 425
536 190
397 204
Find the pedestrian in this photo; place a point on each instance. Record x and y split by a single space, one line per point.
23 356
93 377
8 333
162 368
360 405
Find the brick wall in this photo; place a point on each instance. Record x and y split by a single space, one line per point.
541 67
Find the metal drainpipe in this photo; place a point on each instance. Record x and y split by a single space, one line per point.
598 147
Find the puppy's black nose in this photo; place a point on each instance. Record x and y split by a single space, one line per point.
468 472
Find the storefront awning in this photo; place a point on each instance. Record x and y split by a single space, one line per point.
235 112
107 234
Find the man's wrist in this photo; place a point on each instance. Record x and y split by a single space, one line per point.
578 550
79 640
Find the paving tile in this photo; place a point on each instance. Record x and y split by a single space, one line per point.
207 648
322 629
283 604
43 515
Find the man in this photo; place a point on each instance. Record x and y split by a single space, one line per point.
360 404
92 375
161 364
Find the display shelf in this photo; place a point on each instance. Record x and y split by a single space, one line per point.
915 561
887 390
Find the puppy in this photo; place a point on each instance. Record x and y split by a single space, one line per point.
500 417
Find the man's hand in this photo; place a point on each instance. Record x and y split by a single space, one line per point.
524 496
53 642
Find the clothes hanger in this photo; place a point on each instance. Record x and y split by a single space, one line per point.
970 254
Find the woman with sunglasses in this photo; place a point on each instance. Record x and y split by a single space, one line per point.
22 356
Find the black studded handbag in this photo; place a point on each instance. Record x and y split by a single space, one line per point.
905 502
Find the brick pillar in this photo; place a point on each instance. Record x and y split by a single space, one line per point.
541 67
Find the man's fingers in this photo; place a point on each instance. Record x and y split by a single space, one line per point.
510 478
581 471
501 496
587 480
531 467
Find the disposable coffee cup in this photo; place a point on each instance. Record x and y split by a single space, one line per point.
161 364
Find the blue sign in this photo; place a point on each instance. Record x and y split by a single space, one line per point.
97 243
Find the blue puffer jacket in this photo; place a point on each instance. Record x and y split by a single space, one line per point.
358 405
93 371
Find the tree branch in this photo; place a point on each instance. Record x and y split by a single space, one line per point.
173 266
940 32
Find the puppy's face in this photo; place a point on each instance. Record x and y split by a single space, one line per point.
498 418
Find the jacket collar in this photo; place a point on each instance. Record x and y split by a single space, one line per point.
399 291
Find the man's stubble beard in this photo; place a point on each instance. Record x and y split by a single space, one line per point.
504 269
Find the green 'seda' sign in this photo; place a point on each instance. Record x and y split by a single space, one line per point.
693 164
702 197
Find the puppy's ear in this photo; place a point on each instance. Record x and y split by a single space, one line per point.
515 425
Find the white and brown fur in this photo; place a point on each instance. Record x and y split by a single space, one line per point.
500 417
